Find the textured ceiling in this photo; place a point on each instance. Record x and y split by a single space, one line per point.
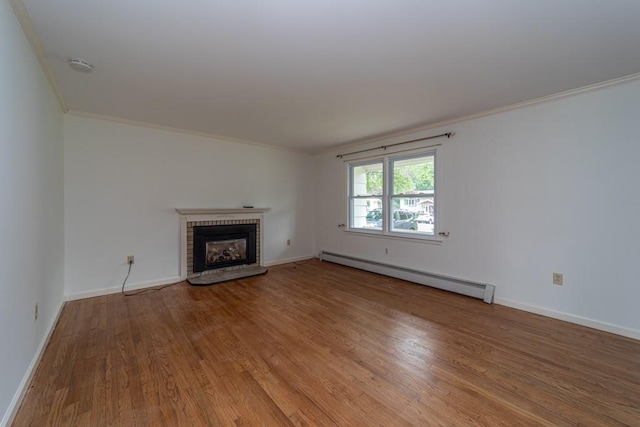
310 74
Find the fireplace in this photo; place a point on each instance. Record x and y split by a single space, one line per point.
220 246
217 245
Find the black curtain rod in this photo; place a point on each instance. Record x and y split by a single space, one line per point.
384 147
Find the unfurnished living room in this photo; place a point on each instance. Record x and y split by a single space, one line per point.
354 213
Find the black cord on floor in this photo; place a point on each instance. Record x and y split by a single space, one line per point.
143 290
125 279
149 290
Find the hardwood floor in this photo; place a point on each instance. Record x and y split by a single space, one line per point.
323 344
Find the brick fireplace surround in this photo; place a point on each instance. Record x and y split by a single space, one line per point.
198 217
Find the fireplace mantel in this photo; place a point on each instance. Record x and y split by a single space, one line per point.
207 211
206 216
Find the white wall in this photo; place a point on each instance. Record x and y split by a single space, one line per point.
548 188
123 183
31 217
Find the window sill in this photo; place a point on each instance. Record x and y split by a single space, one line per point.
395 236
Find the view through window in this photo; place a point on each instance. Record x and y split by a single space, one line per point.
395 194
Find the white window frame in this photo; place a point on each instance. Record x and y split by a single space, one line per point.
351 197
387 196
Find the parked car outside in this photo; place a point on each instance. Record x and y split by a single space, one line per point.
374 217
402 220
426 218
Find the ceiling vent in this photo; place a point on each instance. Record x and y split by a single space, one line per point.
80 64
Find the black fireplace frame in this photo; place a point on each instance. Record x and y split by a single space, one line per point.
214 233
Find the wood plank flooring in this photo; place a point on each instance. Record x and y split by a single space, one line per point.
322 344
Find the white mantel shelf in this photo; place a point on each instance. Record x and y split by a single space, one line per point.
224 211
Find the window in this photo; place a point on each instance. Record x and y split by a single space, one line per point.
393 195
366 195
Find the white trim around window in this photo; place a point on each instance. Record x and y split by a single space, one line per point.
393 196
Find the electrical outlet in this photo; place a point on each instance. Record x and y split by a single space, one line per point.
288 242
386 251
557 279
35 314
130 259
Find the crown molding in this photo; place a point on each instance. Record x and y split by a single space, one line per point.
478 115
29 31
182 131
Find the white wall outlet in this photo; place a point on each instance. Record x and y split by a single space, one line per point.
386 251
288 242
130 259
557 279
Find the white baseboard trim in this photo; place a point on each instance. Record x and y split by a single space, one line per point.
12 410
288 260
117 289
169 280
571 318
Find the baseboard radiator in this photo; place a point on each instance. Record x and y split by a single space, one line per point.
483 291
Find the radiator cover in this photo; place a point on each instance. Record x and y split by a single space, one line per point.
483 291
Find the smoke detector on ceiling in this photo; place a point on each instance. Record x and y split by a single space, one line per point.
80 64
